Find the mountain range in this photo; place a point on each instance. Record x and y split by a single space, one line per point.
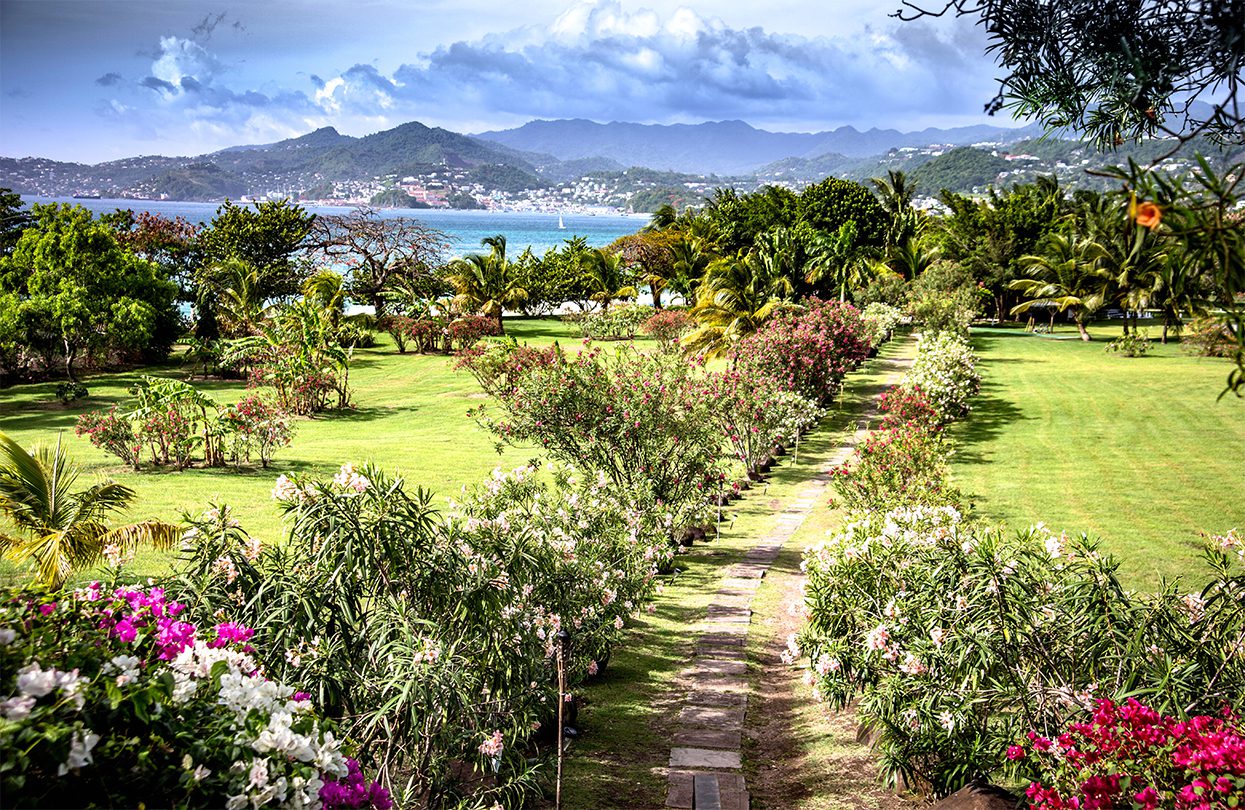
537 154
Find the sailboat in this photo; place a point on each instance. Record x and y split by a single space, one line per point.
561 224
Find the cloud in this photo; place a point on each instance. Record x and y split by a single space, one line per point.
108 79
598 60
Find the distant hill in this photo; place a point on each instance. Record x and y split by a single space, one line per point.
725 147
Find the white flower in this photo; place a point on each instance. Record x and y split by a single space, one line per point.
34 681
200 773
237 802
258 777
17 708
877 638
79 752
7 634
947 721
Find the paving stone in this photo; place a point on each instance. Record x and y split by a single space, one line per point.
719 666
722 717
679 792
730 639
721 651
723 626
702 679
717 697
739 584
733 799
708 738
704 758
706 792
738 612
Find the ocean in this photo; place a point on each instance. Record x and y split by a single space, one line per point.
465 229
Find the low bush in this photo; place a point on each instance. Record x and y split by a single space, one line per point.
1208 337
1129 755
69 392
1134 344
116 700
945 369
902 406
666 326
808 349
466 330
615 323
880 321
435 639
958 641
256 425
756 414
903 465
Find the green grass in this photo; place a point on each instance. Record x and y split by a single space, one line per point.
410 417
630 711
1135 451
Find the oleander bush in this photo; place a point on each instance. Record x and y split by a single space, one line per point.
897 466
880 321
945 369
613 323
1134 344
808 349
114 699
667 326
958 641
640 419
434 638
756 414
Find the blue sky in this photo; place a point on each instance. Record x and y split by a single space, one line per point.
91 80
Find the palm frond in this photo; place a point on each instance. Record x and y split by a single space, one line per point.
154 533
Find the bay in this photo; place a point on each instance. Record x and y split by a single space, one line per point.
465 229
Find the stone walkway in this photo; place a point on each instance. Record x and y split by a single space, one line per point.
705 769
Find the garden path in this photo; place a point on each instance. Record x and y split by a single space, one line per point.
706 761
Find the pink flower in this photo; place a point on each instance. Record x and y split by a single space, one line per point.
1015 752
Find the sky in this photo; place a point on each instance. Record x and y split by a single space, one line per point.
96 80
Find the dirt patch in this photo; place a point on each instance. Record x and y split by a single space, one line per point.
800 754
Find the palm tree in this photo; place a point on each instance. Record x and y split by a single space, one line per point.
242 308
486 283
1065 276
736 296
689 258
327 290
836 259
896 193
58 527
605 273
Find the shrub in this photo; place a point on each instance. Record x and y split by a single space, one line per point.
667 326
1129 755
945 369
959 641
641 420
880 321
353 335
435 638
465 331
808 350
256 425
901 406
615 323
118 701
68 392
1134 344
900 466
755 414
945 298
1208 337
111 432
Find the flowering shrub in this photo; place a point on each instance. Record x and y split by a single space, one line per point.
172 418
900 466
1129 755
114 699
639 419
466 330
111 432
256 425
959 641
880 321
808 350
907 406
435 638
615 323
666 326
945 369
69 392
756 414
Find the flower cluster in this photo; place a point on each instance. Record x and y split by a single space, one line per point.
880 321
666 326
615 323
945 369
115 681
1130 754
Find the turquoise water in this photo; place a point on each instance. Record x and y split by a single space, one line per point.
464 228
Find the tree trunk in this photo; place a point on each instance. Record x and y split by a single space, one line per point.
998 307
1052 321
70 353
1080 327
656 290
501 327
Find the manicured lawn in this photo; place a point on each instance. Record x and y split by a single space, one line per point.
1135 451
410 417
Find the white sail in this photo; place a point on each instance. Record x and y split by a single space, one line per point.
561 224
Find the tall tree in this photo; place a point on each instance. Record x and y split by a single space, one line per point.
377 253
486 282
737 295
1064 275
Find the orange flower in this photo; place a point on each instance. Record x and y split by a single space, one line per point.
1148 215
